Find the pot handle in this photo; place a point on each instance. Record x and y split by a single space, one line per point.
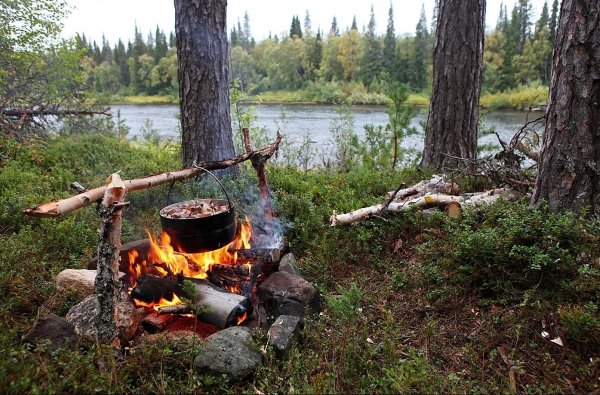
219 182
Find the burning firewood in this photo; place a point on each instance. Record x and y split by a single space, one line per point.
211 304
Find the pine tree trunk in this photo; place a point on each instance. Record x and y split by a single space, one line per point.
457 73
569 172
203 74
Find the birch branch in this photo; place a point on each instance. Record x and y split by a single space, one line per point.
65 206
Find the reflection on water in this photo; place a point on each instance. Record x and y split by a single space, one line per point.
297 120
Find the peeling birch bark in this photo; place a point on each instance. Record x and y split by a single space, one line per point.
65 206
427 201
107 286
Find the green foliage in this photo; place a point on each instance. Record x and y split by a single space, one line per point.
510 248
401 315
582 326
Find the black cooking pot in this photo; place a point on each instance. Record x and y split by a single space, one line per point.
194 235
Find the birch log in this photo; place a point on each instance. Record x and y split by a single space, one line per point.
437 184
429 200
107 285
65 206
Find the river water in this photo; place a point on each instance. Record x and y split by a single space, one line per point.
310 122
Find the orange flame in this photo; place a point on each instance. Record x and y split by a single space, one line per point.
242 318
164 258
162 302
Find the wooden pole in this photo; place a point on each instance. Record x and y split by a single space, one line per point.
258 162
65 206
107 286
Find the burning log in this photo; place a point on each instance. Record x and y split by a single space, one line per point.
435 200
156 322
65 206
211 304
177 309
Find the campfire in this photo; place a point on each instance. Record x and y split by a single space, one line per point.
222 282
209 272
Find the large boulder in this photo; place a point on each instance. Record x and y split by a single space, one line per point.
282 288
229 352
54 330
83 317
79 281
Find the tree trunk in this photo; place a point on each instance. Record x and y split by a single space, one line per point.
457 73
203 75
569 172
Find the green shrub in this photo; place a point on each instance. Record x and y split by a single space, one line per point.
582 326
512 247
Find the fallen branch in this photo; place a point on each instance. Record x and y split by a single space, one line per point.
65 206
427 201
437 184
18 112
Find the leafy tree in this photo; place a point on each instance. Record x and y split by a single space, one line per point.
40 74
349 54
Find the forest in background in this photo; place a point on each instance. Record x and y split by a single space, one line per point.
337 65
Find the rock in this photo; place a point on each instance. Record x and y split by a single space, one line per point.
288 264
282 332
285 306
229 352
58 331
285 285
83 318
80 281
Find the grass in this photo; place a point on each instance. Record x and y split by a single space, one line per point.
519 99
414 304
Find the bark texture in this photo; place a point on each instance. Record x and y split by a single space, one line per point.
569 170
202 52
457 73
107 283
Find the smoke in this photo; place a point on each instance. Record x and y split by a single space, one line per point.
242 189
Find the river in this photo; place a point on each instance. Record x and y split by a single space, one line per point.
313 121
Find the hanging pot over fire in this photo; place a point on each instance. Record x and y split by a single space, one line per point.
200 225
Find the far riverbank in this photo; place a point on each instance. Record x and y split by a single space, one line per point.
518 100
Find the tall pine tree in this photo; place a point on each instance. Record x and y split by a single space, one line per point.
389 45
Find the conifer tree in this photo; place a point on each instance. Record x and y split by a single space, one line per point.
334 30
553 19
372 57
421 52
389 44
247 41
354 27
